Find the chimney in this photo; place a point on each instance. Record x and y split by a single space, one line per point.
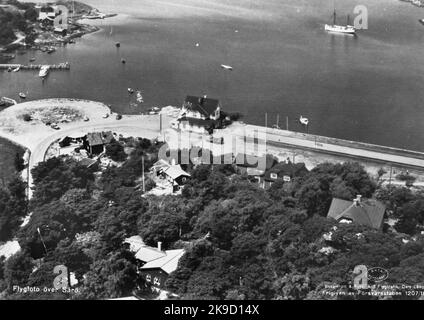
159 245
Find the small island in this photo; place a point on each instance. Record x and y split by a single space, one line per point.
31 26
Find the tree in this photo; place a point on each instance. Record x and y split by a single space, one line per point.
112 277
19 162
115 151
17 269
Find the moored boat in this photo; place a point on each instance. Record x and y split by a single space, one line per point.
44 71
303 120
347 29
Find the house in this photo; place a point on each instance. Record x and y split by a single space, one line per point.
173 173
283 170
369 212
199 114
155 264
96 141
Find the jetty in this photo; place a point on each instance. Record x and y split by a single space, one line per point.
60 66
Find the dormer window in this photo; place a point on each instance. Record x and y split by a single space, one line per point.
274 176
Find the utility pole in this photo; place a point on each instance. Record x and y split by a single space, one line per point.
287 123
266 120
278 120
42 241
142 165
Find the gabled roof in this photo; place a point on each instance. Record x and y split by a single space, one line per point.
367 212
94 138
147 254
202 105
174 172
168 262
153 257
99 138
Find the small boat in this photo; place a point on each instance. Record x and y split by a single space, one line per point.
347 29
51 50
130 90
123 61
117 44
421 21
32 59
9 69
16 69
106 116
139 97
304 121
157 109
22 95
44 71
86 119
197 44
226 67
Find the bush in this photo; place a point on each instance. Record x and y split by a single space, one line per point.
27 117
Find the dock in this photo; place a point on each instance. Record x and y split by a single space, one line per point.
60 66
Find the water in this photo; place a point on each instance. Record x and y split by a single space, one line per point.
368 88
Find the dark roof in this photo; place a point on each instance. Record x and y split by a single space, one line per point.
87 162
205 106
94 138
99 138
368 212
199 122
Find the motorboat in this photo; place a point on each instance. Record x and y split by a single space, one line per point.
22 95
226 67
130 90
17 69
44 71
304 121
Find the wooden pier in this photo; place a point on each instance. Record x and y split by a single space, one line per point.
60 66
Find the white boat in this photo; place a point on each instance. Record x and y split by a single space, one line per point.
304 121
347 29
139 97
226 67
130 90
16 69
22 95
44 71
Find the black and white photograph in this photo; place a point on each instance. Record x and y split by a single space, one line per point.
237 152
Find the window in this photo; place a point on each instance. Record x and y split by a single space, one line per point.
148 278
156 281
274 176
